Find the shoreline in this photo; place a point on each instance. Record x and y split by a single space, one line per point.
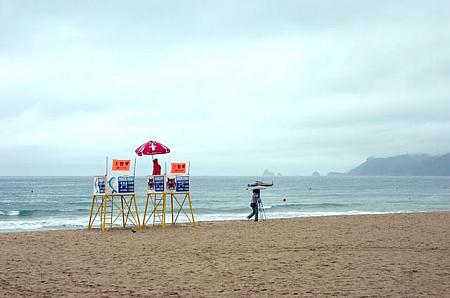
367 255
369 213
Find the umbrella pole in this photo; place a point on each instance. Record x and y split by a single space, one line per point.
152 164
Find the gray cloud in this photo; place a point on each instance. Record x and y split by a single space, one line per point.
287 85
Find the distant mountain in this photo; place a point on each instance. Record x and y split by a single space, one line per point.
405 165
336 174
268 173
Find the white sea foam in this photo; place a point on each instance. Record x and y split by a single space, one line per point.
43 224
287 214
81 222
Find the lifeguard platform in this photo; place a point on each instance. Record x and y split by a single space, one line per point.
114 199
169 194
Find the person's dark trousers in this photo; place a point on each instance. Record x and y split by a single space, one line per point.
254 212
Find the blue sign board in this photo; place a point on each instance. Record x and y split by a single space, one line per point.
182 183
155 183
99 185
159 183
126 184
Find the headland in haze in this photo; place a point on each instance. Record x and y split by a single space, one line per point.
402 165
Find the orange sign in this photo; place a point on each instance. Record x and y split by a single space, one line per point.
178 167
121 165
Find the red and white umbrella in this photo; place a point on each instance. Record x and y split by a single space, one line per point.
152 148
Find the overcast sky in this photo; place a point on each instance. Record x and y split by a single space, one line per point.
233 86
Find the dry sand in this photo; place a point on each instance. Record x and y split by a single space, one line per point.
374 255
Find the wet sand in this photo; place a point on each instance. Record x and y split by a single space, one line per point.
369 255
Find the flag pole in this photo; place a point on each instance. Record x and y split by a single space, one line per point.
106 166
134 168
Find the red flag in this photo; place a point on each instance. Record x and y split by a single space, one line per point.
178 167
121 165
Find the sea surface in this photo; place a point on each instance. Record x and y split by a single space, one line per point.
52 203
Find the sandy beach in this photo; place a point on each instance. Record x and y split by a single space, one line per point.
370 255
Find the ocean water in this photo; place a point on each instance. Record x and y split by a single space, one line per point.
49 203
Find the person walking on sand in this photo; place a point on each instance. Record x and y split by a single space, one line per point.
254 204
